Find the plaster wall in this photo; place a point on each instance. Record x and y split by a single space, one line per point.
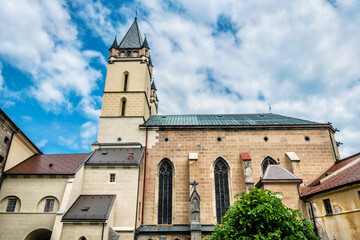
344 222
96 181
127 129
19 151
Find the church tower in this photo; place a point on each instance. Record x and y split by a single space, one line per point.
130 92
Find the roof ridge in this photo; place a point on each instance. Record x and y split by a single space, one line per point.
340 171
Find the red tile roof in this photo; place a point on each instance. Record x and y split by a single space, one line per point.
336 166
347 176
50 164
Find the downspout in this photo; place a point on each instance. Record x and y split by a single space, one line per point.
103 226
143 198
312 213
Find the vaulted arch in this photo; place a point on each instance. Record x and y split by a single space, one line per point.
221 175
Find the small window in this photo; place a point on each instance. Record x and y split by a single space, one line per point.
1 159
359 194
327 206
125 82
128 53
6 140
112 177
11 205
123 104
49 205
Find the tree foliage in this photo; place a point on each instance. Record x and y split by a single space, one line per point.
260 214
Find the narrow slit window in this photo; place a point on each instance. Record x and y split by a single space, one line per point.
327 206
126 82
11 205
112 177
49 205
123 103
221 189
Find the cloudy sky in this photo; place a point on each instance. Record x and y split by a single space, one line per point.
300 56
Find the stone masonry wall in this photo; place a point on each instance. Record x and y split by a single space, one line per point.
316 155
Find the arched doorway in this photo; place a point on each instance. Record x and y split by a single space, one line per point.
39 234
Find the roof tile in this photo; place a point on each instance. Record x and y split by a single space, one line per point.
50 164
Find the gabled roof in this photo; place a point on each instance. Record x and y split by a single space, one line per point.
15 128
132 38
277 172
116 156
260 119
342 173
50 164
90 208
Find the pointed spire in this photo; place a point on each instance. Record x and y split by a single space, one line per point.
114 45
153 85
145 43
132 38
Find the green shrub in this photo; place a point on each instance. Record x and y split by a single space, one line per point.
260 214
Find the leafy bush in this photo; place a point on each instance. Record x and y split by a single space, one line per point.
260 214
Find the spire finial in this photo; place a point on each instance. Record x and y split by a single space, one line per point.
136 12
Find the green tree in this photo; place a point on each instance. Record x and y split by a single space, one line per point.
260 214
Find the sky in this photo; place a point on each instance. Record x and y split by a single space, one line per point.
301 57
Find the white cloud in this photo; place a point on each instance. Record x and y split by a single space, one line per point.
69 142
41 143
88 133
43 42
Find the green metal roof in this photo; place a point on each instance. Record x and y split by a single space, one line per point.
259 119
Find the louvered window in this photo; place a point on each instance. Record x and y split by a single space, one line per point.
165 193
221 189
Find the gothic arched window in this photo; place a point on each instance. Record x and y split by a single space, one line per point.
221 189
266 162
165 193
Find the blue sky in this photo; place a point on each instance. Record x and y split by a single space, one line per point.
302 57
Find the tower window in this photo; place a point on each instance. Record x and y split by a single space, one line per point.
123 104
327 206
112 177
165 193
221 189
6 140
11 205
125 81
49 205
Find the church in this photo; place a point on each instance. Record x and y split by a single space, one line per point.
153 176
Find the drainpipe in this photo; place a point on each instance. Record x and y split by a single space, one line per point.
103 226
143 198
312 213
